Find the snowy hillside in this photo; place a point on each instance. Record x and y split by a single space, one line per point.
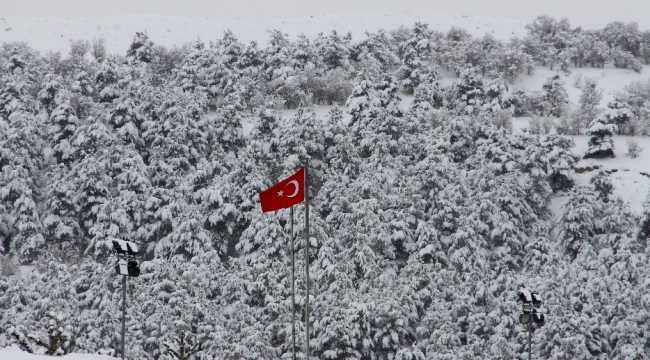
54 34
15 354
447 176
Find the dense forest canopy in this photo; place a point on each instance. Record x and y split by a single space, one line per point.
425 219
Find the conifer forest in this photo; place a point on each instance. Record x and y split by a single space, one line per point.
428 213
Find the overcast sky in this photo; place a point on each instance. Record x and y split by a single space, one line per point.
586 13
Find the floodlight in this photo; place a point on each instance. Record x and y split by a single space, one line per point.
537 300
539 318
121 267
120 247
125 247
133 268
525 296
132 248
524 318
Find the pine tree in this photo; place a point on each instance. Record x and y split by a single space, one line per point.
620 114
374 51
333 51
141 49
62 126
555 96
20 184
415 55
81 93
176 141
603 186
644 229
590 98
126 120
577 224
107 80
14 97
600 141
48 96
469 94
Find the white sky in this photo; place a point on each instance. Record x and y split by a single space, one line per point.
586 13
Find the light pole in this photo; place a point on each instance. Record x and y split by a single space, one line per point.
126 265
530 302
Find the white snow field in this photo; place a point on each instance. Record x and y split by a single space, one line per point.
609 79
627 174
50 25
54 34
16 354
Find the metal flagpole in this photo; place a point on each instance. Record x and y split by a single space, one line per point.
530 331
123 311
307 259
293 292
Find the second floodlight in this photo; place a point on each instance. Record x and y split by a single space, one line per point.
125 247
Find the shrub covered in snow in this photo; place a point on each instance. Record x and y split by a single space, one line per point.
633 149
601 144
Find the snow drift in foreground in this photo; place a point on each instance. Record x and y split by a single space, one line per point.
15 354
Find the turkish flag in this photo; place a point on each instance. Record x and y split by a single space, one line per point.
286 193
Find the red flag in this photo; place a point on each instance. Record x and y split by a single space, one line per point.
288 192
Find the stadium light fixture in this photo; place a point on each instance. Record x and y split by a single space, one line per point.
530 302
126 266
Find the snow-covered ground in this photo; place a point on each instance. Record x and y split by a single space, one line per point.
50 25
610 80
630 177
586 13
54 34
16 354
627 174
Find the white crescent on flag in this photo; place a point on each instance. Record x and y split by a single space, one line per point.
294 183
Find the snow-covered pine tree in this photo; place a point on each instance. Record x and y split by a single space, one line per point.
333 50
603 185
548 39
141 49
577 224
277 57
620 114
304 56
62 126
250 62
97 298
374 103
468 93
84 188
561 160
15 86
107 80
126 121
176 140
48 97
81 90
601 144
644 228
497 97
374 50
415 56
20 186
590 98
555 96
189 73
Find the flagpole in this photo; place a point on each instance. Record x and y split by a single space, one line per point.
293 292
307 258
